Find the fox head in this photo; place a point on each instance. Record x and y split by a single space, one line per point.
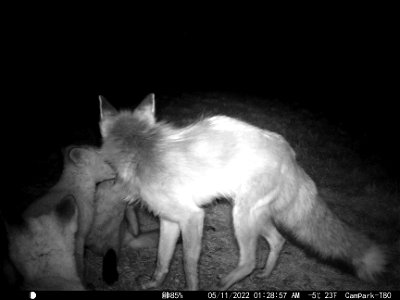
144 113
90 160
128 135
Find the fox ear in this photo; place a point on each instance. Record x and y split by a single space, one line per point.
79 156
107 111
146 110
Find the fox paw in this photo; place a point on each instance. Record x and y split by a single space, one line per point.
221 284
262 274
145 282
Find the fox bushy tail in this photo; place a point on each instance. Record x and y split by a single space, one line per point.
311 222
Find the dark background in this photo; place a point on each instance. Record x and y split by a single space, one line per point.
340 66
338 62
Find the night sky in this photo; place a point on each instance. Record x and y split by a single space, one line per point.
342 68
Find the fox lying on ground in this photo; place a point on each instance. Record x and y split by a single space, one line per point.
100 216
175 171
42 246
83 168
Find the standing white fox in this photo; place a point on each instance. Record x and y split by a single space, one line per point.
175 171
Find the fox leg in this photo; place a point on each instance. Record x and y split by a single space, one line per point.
80 256
246 234
148 239
169 234
275 241
131 219
192 232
